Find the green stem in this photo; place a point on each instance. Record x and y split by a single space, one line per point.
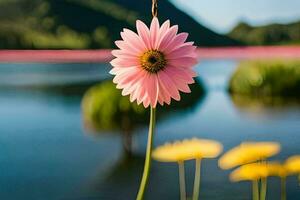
263 188
182 180
197 179
147 165
262 182
299 179
283 188
255 192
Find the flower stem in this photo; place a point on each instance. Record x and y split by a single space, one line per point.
263 188
299 179
255 192
147 164
197 179
182 180
283 188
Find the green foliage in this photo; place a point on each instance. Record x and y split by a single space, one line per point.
86 24
267 35
104 108
110 8
267 78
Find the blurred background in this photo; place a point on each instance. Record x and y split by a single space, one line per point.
78 24
67 133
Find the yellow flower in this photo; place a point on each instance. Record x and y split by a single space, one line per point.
277 169
292 164
248 152
256 171
187 150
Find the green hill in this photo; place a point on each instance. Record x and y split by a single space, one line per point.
273 34
81 24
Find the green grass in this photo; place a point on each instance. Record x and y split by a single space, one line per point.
267 78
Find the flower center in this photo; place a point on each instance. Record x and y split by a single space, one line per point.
153 61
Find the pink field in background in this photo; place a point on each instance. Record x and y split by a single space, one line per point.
55 56
81 56
250 52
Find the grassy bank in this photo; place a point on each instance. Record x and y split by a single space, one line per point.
267 78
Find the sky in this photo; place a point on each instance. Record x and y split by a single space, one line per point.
223 15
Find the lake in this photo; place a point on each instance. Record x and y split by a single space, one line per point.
46 153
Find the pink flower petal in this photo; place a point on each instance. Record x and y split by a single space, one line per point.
153 89
164 94
133 85
183 74
144 33
163 29
168 84
146 102
119 62
167 38
150 84
181 86
176 42
114 70
122 53
183 62
141 95
185 44
128 90
129 81
124 75
135 91
160 99
133 40
134 94
154 32
186 51
144 97
124 46
181 81
138 90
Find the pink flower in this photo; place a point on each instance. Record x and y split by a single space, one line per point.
153 65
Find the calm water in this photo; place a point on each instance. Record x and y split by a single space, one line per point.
47 154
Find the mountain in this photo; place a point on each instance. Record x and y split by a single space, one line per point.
272 34
83 24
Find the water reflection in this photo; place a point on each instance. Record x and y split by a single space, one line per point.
122 174
265 105
106 110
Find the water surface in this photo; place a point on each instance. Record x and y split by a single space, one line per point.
47 154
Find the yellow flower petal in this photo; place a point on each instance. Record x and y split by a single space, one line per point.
276 169
255 171
187 150
248 152
292 164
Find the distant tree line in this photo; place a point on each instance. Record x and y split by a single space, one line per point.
273 34
88 24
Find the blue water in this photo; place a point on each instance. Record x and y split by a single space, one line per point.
45 152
